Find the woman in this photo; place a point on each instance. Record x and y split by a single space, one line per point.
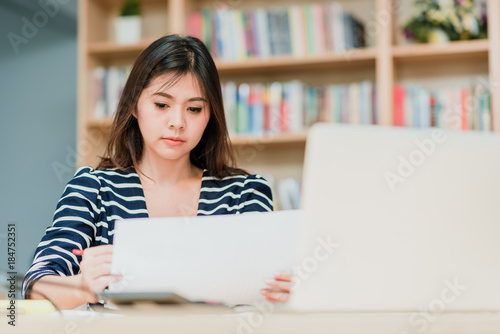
168 155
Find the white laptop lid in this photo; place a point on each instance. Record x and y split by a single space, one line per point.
413 218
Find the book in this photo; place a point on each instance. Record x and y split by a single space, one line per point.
354 105
318 28
195 25
257 108
399 96
289 191
276 94
243 109
229 95
296 106
98 76
285 108
296 22
262 33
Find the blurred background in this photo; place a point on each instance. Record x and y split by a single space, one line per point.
284 66
38 113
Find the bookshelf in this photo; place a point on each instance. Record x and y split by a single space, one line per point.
383 61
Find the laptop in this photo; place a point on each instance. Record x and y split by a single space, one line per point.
399 219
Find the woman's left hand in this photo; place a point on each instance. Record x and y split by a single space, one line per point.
279 288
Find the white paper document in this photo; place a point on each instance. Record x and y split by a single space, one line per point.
222 259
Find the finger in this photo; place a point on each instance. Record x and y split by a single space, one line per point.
273 293
278 297
88 263
281 285
274 296
98 250
97 286
94 260
274 300
284 276
94 272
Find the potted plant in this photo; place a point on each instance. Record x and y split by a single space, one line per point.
438 21
128 23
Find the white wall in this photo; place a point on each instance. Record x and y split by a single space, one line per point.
37 117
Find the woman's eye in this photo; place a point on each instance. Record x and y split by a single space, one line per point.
193 109
161 105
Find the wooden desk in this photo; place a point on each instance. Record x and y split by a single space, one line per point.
189 319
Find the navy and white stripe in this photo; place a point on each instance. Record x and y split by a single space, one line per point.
94 199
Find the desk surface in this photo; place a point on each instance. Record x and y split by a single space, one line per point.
194 319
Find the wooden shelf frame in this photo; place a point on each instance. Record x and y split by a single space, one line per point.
356 57
282 138
430 52
111 49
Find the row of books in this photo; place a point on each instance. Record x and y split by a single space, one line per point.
299 30
460 108
287 192
294 106
108 85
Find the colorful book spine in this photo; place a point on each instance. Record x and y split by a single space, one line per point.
267 107
398 106
195 25
354 107
458 108
310 38
99 76
276 93
463 100
257 104
243 109
273 29
229 95
208 26
285 109
262 33
318 28
312 29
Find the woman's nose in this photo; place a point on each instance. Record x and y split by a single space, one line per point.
176 118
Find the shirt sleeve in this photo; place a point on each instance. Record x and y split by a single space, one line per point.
256 195
73 226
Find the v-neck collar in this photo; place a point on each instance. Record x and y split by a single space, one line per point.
141 190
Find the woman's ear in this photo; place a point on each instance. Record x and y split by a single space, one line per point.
134 112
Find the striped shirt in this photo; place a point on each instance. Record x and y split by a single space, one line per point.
94 199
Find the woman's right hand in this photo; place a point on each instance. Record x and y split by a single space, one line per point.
95 271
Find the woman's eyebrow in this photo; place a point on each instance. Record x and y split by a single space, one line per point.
168 96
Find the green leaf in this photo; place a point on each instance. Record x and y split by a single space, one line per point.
130 8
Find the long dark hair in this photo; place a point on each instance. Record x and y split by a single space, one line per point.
178 55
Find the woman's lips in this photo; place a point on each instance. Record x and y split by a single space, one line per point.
173 141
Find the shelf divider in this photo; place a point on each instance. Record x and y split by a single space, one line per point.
494 60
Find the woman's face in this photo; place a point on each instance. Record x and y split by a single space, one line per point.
172 119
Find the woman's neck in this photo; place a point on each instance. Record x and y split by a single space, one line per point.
167 173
